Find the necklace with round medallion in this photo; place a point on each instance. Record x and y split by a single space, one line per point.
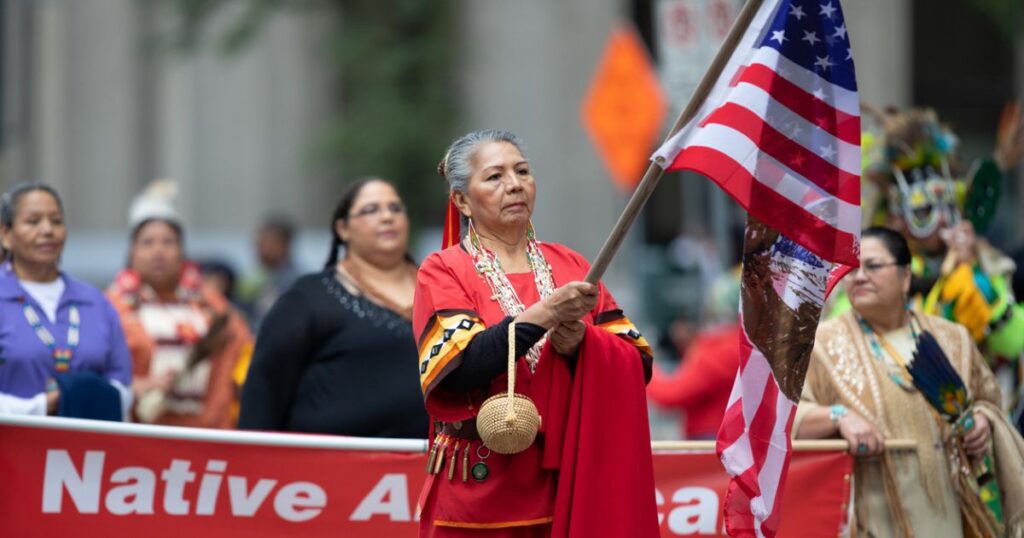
480 471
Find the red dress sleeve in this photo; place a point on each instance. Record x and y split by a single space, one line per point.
445 320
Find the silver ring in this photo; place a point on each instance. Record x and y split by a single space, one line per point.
481 456
862 448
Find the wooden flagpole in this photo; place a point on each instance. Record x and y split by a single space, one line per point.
655 171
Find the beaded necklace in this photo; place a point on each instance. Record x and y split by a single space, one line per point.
61 355
489 268
372 293
893 361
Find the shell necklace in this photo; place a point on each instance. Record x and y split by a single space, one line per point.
489 268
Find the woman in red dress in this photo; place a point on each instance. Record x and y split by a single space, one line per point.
583 363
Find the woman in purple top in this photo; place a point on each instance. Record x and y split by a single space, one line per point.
62 351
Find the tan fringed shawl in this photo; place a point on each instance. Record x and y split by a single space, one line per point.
912 490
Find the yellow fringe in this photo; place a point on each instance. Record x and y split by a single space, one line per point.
977 523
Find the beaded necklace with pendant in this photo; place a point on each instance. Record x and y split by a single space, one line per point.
61 355
489 268
897 373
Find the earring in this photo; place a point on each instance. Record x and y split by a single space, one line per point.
457 207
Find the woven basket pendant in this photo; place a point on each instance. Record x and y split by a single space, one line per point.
508 423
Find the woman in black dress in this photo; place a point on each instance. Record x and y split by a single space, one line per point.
336 353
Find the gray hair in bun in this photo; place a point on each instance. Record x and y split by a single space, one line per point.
456 167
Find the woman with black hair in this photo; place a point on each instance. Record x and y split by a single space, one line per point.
336 353
63 350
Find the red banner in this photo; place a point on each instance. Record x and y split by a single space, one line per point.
63 477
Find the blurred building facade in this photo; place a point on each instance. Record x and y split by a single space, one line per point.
98 104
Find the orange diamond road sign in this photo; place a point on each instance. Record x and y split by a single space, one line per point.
625 107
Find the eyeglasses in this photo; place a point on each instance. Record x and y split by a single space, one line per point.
872 268
368 210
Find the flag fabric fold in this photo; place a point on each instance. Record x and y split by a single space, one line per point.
779 132
782 291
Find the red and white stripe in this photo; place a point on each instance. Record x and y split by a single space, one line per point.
754 438
786 144
754 445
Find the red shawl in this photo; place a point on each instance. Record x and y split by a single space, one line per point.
597 436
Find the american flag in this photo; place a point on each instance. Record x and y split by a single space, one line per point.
780 132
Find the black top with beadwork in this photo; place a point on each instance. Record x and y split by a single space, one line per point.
328 361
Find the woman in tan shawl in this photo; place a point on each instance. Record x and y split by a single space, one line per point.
858 389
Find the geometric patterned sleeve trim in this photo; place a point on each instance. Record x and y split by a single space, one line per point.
615 322
441 345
